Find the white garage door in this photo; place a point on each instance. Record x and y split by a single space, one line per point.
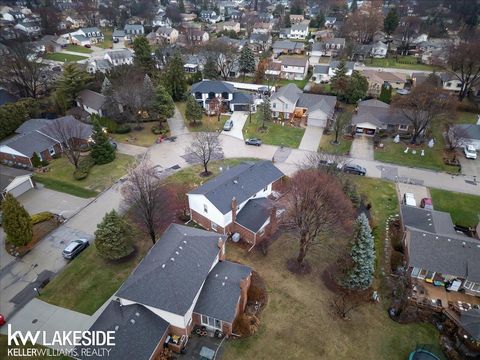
21 188
316 122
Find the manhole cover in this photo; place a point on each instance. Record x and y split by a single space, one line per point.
34 321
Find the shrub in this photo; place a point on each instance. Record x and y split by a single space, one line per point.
41 217
159 131
36 162
45 163
113 237
17 224
79 174
123 129
110 124
83 168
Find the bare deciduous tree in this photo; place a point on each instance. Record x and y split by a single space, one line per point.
317 208
205 146
426 104
454 136
408 28
345 302
215 107
363 25
225 56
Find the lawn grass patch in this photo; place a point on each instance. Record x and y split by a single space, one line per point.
401 62
108 39
79 49
276 134
327 146
143 137
208 123
65 187
62 57
464 208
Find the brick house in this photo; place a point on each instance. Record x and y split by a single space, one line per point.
240 200
39 136
184 281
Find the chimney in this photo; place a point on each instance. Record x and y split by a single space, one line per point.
234 209
273 220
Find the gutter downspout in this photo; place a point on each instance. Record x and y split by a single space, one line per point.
254 241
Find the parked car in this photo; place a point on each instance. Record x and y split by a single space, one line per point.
426 203
253 141
409 199
470 152
88 46
354 169
228 125
75 248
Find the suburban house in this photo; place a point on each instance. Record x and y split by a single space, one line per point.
210 16
376 79
450 82
207 90
469 134
289 101
167 34
379 50
283 47
118 35
262 28
197 36
231 26
133 31
239 200
372 115
260 42
328 47
330 21
15 181
183 282
88 35
92 102
194 63
29 28
119 57
294 68
39 136
361 52
323 73
298 31
296 19
442 265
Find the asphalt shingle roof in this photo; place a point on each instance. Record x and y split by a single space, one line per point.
240 182
290 92
313 102
137 332
31 125
215 86
470 321
471 131
288 45
29 143
433 221
92 99
254 214
120 54
220 294
241 98
171 285
8 174
379 114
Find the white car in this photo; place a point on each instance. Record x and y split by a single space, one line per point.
470 152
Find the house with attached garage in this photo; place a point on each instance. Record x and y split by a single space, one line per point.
240 200
284 47
92 102
298 31
183 282
133 31
207 90
294 68
376 79
323 73
15 181
328 47
469 134
373 115
289 102
40 136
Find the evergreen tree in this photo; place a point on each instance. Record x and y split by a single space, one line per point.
113 237
163 104
193 111
36 162
320 20
385 94
16 222
106 87
391 21
265 112
287 21
354 6
357 87
210 70
102 151
360 277
181 6
73 80
174 78
143 54
197 77
246 61
340 80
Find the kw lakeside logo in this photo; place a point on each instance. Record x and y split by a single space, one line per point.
70 343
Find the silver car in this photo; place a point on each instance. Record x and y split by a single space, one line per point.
228 125
75 248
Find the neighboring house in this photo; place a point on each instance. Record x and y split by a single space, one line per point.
450 82
183 282
328 47
38 136
210 16
361 52
52 43
266 17
29 28
101 65
372 115
133 31
294 68
287 47
236 15
332 69
260 42
118 35
194 63
323 73
469 134
207 90
167 35
379 50
119 57
290 101
162 20
330 21
298 31
231 26
376 79
296 19
197 36
15 181
239 200
92 102
262 28
93 34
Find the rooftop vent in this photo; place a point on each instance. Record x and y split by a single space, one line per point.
226 277
464 243
216 275
176 252
235 181
117 327
163 266
449 240
172 259
184 241
181 248
424 235
223 284
132 321
137 314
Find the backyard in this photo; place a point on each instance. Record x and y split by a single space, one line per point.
208 123
60 176
464 208
63 57
402 62
143 137
78 48
275 134
108 39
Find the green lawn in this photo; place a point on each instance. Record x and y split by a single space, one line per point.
60 175
4 352
108 39
464 117
464 208
278 82
64 57
66 187
79 49
298 321
276 134
143 137
403 62
208 123
342 148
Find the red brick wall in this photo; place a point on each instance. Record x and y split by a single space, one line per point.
15 159
206 223
277 185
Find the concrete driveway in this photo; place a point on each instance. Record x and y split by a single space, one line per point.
311 138
239 118
43 199
470 167
177 124
362 148
132 150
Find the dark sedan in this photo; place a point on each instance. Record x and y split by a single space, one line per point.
354 169
253 141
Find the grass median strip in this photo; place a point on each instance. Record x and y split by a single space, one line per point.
62 186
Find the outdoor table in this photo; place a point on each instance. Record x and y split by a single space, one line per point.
206 353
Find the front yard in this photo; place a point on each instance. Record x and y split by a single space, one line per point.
63 57
208 123
143 137
464 208
108 39
402 62
59 176
341 149
78 48
275 134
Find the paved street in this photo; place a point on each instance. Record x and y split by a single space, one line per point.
311 138
469 166
239 118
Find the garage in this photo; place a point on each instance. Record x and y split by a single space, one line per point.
365 128
20 185
15 181
241 107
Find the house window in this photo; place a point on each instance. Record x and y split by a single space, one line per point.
213 226
198 95
261 232
422 274
459 85
211 322
51 151
415 272
205 209
265 188
467 284
286 106
476 287
403 127
449 84
274 105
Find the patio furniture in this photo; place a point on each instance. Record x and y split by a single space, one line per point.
206 353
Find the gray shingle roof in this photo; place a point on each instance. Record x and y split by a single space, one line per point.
321 69
240 182
215 86
349 64
221 292
379 114
288 45
31 125
312 102
92 99
137 332
8 174
433 221
294 61
29 143
120 54
469 131
118 33
173 287
290 92
241 98
254 214
470 321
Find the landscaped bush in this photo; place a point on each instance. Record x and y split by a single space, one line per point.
159 131
110 124
123 129
45 163
41 217
83 168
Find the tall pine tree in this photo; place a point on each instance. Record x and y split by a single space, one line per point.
102 151
17 224
174 78
385 94
360 277
247 61
194 111
340 80
163 104
143 54
210 70
113 237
